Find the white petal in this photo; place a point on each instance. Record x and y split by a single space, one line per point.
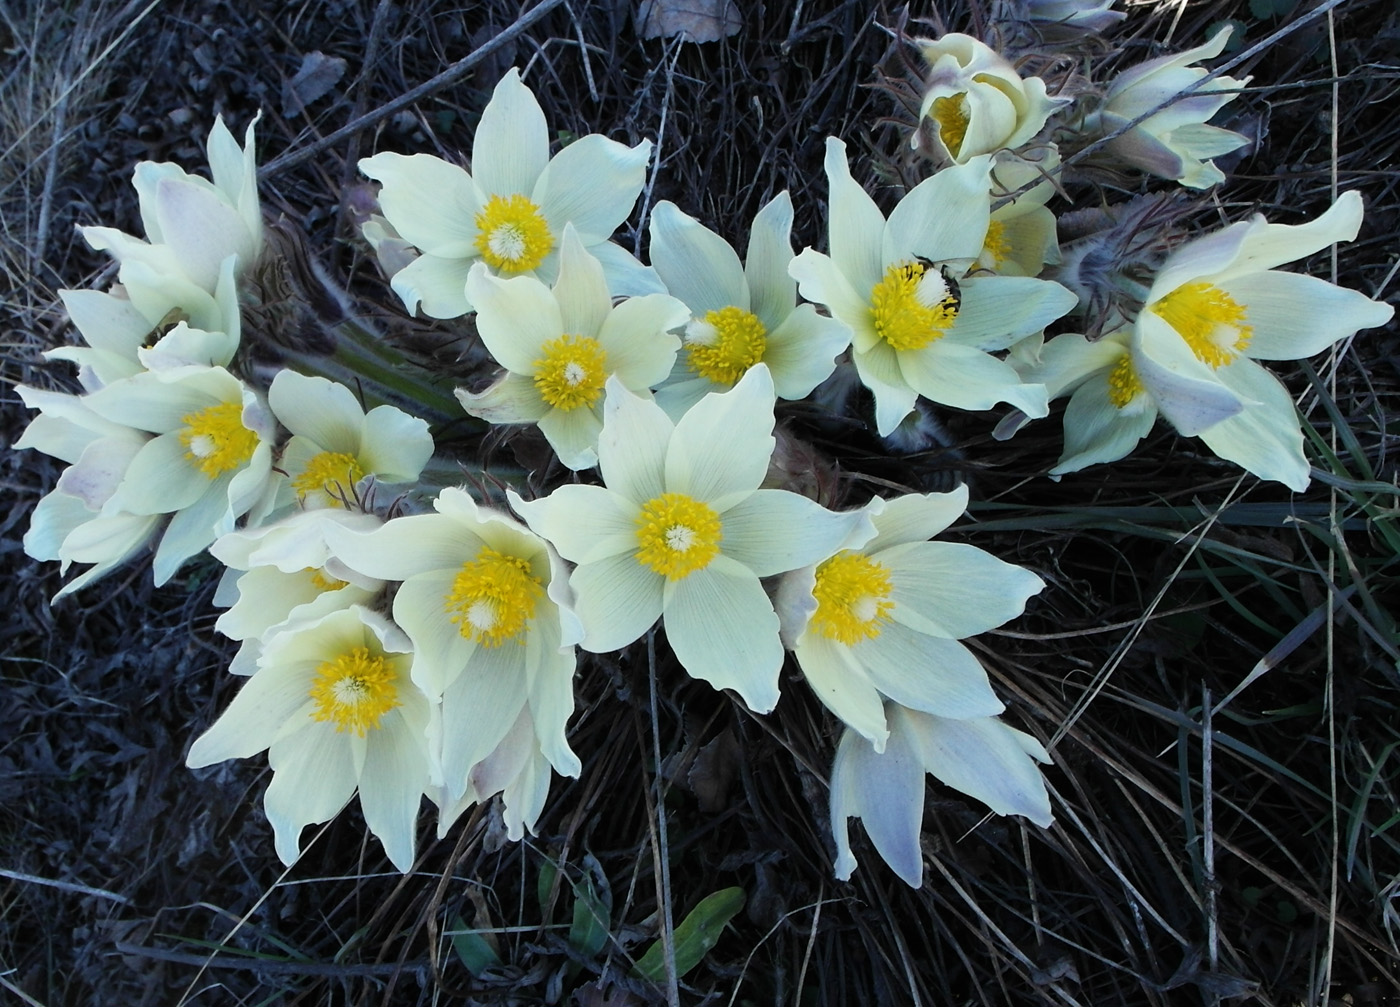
406 546
1068 359
880 371
942 218
617 599
106 322
581 290
515 317
821 281
191 531
722 628
914 517
479 707
1265 437
1293 315
511 147
772 291
998 310
394 777
436 286
1098 431
842 685
431 203
585 523
632 447
573 434
954 590
440 651
314 776
983 758
1187 392
264 705
395 446
886 791
202 229
552 703
695 263
720 450
966 378
855 225
325 412
802 351
513 398
592 183
626 278
160 479
1268 245
641 351
927 673
774 531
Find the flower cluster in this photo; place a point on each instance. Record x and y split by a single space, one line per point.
427 645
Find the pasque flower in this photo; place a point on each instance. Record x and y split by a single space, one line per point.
881 619
682 531
742 313
333 705
510 211
560 345
921 325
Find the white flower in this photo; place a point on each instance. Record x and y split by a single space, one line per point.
977 101
921 326
1079 15
510 211
743 314
682 531
1217 305
333 705
559 346
191 225
285 572
1021 234
335 443
882 619
486 604
1175 142
980 757
517 769
210 463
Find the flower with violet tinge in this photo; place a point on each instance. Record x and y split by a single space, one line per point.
335 443
920 325
881 619
517 769
980 756
192 225
208 465
1070 15
743 313
976 101
682 531
510 211
560 345
486 603
1175 142
333 705
1216 305
285 572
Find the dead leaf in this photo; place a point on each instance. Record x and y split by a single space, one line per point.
690 20
318 74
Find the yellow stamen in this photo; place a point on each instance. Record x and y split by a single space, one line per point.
995 245
1210 320
913 306
493 597
725 344
332 474
572 371
677 535
324 581
951 115
215 439
512 234
1123 383
853 598
355 690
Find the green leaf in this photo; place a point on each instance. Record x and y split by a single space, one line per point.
472 949
592 919
696 935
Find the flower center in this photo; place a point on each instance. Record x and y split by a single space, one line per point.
853 598
724 344
951 116
1123 383
572 371
215 439
493 597
914 305
355 690
512 234
995 247
1210 320
332 474
677 535
323 581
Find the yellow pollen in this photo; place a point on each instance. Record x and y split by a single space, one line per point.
333 474
1210 320
913 306
512 234
355 690
853 598
572 371
1123 383
952 116
725 344
493 597
324 581
995 246
215 439
677 535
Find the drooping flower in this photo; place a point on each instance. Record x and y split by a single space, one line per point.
882 619
286 572
335 443
979 756
517 769
743 314
209 463
333 705
510 211
976 101
681 531
487 606
1218 304
560 345
921 325
1174 143
192 225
